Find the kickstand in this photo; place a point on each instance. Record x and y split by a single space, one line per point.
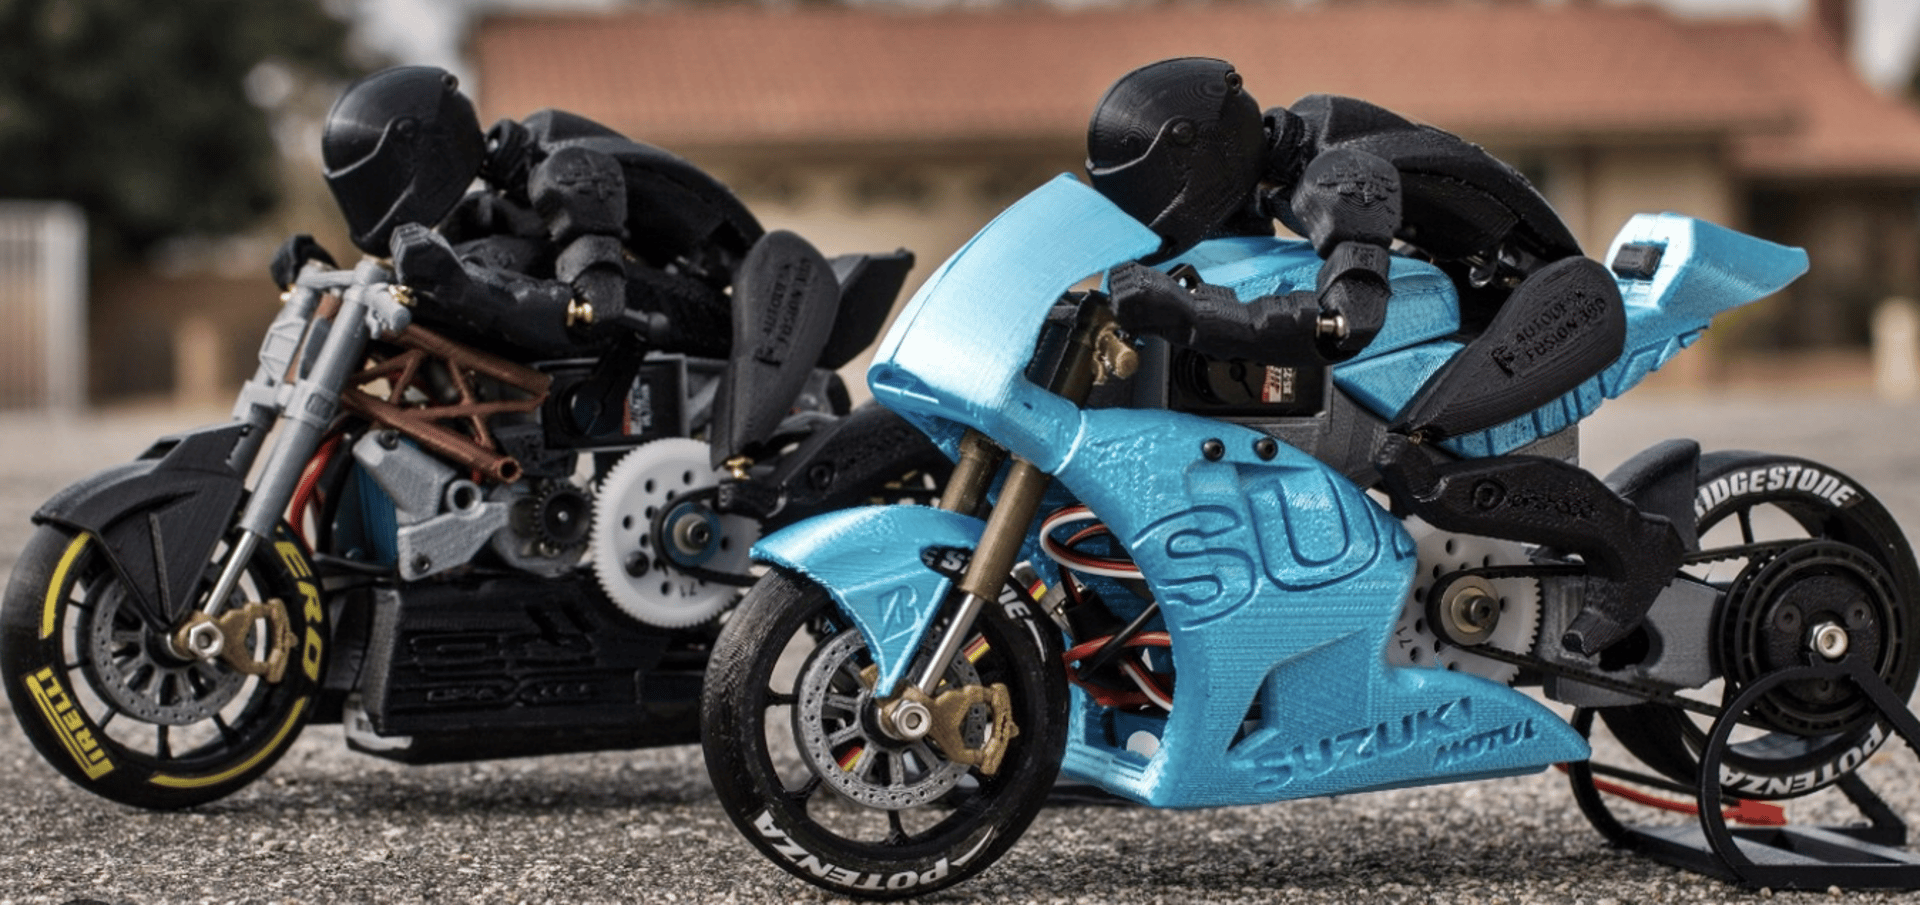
1785 857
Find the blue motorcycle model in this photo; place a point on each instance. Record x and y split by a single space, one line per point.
1176 578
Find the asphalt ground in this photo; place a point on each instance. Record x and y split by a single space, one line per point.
330 825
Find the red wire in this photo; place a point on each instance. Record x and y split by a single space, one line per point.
310 479
1094 530
1154 692
1069 556
1751 813
1085 649
1118 697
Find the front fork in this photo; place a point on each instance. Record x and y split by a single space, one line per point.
303 409
1095 354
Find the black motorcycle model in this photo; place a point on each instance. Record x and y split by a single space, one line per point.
455 553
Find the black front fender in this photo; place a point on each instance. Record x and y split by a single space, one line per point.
159 516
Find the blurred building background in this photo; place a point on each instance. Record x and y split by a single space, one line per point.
872 125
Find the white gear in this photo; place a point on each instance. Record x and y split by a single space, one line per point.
643 581
1415 643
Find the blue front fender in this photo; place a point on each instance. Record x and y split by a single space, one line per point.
869 560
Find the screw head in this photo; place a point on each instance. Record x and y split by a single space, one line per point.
1489 495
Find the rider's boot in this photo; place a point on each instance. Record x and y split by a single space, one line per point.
1630 554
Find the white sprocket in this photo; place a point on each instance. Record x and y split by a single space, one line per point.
648 583
1415 643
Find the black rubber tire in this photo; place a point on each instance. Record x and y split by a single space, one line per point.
786 817
63 582
1780 764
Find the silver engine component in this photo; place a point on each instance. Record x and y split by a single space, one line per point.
1511 626
651 584
547 528
444 519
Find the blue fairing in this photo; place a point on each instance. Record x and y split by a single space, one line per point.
1279 580
869 560
957 354
1704 270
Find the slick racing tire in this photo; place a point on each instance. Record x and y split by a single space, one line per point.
793 752
104 698
1850 567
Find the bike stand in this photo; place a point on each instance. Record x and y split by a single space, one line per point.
1787 857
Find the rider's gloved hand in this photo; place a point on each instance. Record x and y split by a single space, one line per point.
595 267
424 262
292 255
1353 286
1152 303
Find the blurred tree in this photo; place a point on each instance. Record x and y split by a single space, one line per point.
153 116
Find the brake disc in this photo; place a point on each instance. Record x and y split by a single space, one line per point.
137 675
839 744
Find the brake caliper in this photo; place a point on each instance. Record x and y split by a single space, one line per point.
946 718
225 636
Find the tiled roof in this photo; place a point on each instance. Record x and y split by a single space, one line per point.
700 77
1840 128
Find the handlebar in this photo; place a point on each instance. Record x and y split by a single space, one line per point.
388 304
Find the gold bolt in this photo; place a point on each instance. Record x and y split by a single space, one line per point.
579 312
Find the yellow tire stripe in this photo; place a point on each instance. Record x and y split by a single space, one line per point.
49 616
197 782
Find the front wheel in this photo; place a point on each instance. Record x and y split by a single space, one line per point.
802 768
109 702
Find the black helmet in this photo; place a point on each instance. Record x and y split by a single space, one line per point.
401 146
1179 145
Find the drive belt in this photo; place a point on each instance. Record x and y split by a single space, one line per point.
1650 692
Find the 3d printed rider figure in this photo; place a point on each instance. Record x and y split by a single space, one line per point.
578 235
1184 148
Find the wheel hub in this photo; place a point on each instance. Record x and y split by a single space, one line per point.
1465 611
1829 641
1817 602
692 534
139 673
838 725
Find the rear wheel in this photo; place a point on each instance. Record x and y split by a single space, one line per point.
801 766
1846 578
108 700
